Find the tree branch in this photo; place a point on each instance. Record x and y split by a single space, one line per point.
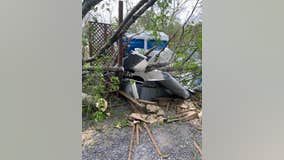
87 6
135 13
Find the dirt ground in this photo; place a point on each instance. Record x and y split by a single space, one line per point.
103 141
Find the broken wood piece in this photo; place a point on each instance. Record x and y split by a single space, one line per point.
152 108
137 134
197 147
186 110
152 118
140 128
131 143
187 117
199 129
154 142
135 108
167 106
200 115
163 101
189 113
147 102
131 99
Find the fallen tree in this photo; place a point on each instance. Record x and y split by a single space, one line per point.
135 13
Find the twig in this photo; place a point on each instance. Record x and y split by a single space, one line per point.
131 143
154 142
188 58
137 134
197 147
179 118
174 35
150 50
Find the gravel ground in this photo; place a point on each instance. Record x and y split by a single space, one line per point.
102 141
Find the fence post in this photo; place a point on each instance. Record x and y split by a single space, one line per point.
120 47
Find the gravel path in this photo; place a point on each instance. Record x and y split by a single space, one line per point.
102 141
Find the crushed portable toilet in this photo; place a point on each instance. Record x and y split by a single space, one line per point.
149 84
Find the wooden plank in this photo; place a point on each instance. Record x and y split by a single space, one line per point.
131 99
147 102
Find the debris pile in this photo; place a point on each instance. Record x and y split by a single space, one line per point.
148 112
142 78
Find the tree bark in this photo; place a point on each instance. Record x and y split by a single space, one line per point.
88 99
87 6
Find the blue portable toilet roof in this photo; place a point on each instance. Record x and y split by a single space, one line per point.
138 40
147 35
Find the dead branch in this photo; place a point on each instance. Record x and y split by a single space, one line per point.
137 134
154 142
197 147
131 99
131 143
175 33
183 118
188 58
187 20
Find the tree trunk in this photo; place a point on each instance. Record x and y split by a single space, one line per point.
87 6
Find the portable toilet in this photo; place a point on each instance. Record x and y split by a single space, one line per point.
145 40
